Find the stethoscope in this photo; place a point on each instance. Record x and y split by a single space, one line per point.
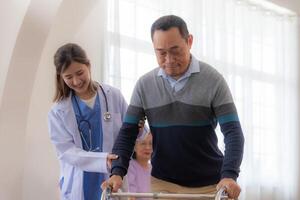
106 117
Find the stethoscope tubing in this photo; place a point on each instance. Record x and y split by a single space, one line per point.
106 117
105 98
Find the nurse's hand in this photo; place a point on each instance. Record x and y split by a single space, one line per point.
109 159
142 123
231 187
114 182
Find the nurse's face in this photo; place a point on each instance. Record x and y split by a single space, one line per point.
77 77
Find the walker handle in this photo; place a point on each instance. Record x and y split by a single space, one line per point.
221 194
106 194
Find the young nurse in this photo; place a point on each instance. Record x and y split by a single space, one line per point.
83 124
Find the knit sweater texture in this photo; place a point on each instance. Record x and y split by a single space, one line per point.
185 145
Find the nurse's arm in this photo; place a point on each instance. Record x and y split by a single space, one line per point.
68 152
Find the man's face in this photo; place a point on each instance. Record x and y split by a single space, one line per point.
172 51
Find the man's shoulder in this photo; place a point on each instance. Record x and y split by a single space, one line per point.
151 73
207 73
149 76
207 68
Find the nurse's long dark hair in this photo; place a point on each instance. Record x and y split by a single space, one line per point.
62 60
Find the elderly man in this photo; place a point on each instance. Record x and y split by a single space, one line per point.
183 100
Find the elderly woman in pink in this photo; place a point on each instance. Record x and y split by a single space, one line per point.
140 168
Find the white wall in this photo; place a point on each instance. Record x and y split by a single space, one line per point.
17 89
29 167
11 16
75 22
31 31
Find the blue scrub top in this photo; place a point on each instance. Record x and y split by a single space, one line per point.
90 120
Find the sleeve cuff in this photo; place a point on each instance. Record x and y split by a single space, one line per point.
118 171
229 174
103 165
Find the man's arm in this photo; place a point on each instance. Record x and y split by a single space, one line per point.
125 141
123 147
124 144
227 116
234 144
234 148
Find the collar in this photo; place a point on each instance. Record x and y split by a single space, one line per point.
192 68
65 104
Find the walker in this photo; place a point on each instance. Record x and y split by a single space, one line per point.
220 195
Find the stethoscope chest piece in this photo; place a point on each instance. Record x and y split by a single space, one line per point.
107 116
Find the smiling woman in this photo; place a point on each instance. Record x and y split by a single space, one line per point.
77 77
31 32
73 72
82 138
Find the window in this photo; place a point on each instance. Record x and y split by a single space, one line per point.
256 51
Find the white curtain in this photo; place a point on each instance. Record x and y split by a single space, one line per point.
257 52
